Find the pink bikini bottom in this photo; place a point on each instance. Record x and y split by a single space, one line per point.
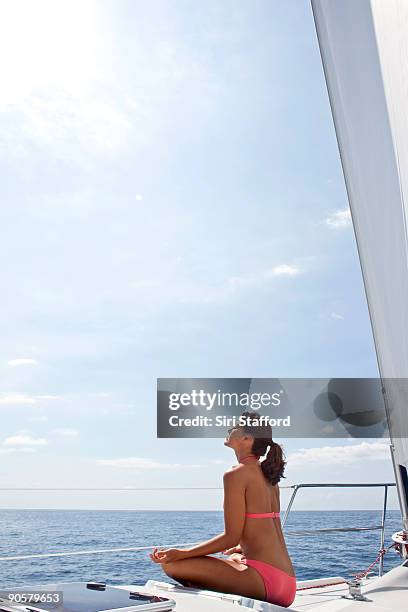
279 586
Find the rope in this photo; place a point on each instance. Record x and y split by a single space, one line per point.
358 576
381 554
320 586
92 552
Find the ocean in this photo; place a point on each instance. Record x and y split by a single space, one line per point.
25 532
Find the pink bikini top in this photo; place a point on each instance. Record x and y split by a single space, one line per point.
262 514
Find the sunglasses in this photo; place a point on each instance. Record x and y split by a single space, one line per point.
232 429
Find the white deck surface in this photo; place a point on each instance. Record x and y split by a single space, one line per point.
390 592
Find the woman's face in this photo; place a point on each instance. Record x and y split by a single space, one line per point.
236 438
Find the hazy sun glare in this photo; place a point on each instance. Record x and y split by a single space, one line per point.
47 44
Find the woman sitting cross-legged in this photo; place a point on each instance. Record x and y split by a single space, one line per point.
258 563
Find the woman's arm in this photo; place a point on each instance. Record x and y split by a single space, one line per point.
234 518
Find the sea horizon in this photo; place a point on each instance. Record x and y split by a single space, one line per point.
26 532
180 511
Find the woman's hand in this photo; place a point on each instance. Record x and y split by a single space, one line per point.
167 555
234 549
236 557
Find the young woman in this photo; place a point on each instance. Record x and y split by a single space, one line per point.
258 564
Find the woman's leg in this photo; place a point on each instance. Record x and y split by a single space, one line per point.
215 574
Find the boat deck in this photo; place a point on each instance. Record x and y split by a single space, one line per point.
384 593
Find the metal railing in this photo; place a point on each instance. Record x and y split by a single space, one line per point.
385 485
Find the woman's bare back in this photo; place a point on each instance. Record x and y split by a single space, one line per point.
262 538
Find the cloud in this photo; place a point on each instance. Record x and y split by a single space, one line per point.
285 270
65 432
22 361
16 398
23 438
235 284
23 449
155 290
41 418
139 463
339 219
48 397
263 276
23 399
339 455
336 315
100 393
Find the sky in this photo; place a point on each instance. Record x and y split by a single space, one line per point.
172 205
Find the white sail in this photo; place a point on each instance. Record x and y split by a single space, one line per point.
364 48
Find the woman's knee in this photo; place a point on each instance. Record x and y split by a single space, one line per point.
169 568
177 571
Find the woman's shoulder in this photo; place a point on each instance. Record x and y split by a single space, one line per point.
235 471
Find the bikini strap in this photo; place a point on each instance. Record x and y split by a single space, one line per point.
263 515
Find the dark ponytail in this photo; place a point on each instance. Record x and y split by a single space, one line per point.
273 466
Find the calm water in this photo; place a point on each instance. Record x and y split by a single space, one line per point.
24 532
